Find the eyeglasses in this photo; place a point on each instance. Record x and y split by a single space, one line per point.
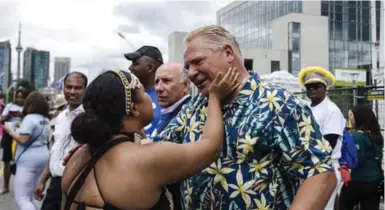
313 86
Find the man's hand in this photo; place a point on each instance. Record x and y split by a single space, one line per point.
39 191
70 153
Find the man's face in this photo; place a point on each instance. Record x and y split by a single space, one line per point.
203 64
315 91
74 89
169 85
140 68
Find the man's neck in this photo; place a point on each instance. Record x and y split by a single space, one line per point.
315 102
149 87
73 106
149 83
242 78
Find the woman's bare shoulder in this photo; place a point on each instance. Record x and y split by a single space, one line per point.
74 165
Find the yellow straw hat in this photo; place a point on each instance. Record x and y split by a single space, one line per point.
314 74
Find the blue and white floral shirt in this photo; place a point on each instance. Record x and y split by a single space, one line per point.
272 143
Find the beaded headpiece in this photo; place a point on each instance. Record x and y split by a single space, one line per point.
128 86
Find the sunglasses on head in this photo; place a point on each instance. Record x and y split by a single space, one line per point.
314 86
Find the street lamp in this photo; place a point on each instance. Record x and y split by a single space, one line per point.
128 41
354 77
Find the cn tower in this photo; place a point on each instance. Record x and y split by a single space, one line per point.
19 49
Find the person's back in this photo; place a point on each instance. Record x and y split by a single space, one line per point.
368 151
105 180
113 171
365 186
37 154
32 148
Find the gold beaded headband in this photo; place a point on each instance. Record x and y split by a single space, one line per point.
128 86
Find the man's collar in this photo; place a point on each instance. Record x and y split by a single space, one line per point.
77 110
174 106
249 86
252 83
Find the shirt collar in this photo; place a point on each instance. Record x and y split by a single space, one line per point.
174 106
249 87
243 97
76 111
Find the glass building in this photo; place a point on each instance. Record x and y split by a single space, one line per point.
40 69
350 32
5 64
349 29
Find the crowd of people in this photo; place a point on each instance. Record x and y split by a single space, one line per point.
137 140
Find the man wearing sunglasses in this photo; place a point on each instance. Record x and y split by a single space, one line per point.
329 117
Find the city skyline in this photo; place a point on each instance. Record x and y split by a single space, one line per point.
92 40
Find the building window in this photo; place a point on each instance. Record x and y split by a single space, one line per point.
349 24
294 53
251 21
248 63
274 66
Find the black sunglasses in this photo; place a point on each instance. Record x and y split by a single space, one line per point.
314 86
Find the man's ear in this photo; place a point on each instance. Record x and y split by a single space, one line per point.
229 53
186 88
151 67
134 110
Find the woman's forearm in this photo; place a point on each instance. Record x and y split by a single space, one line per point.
213 130
20 139
320 186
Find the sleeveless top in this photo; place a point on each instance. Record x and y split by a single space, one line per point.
164 203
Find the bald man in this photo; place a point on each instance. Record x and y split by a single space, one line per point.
172 88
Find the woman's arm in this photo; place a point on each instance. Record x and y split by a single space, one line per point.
20 139
166 162
24 133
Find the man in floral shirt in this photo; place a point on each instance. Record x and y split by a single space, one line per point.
274 156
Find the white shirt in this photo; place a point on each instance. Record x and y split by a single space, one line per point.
331 121
11 107
63 140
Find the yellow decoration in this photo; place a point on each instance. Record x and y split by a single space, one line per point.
302 75
14 146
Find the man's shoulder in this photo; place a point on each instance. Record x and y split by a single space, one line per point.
331 104
194 102
282 97
333 109
61 117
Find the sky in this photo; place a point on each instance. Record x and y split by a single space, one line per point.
86 30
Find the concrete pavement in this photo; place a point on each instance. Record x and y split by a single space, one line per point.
6 201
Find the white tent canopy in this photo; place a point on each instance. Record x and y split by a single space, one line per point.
284 79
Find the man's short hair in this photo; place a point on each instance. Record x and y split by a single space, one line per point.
214 35
84 77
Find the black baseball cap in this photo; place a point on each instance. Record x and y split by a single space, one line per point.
150 51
